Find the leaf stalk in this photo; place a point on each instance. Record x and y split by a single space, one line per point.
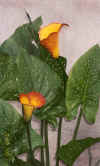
59 140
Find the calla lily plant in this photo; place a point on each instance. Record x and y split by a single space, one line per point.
33 73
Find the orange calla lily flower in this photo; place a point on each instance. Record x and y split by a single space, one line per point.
49 38
30 102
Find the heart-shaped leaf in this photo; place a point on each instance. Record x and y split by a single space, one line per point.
34 74
83 86
13 137
25 73
70 152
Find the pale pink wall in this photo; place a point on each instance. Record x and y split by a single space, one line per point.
84 19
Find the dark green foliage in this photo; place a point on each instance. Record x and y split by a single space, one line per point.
8 71
70 152
22 72
58 65
36 75
13 137
19 162
26 67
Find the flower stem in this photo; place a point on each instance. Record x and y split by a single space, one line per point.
29 142
27 125
46 144
77 124
42 150
59 139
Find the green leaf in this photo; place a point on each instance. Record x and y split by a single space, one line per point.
4 162
22 37
36 75
53 110
13 137
70 152
8 72
83 86
58 66
25 73
19 162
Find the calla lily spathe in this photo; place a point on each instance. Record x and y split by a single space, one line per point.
30 102
49 37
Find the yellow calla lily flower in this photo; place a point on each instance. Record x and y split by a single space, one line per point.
49 38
